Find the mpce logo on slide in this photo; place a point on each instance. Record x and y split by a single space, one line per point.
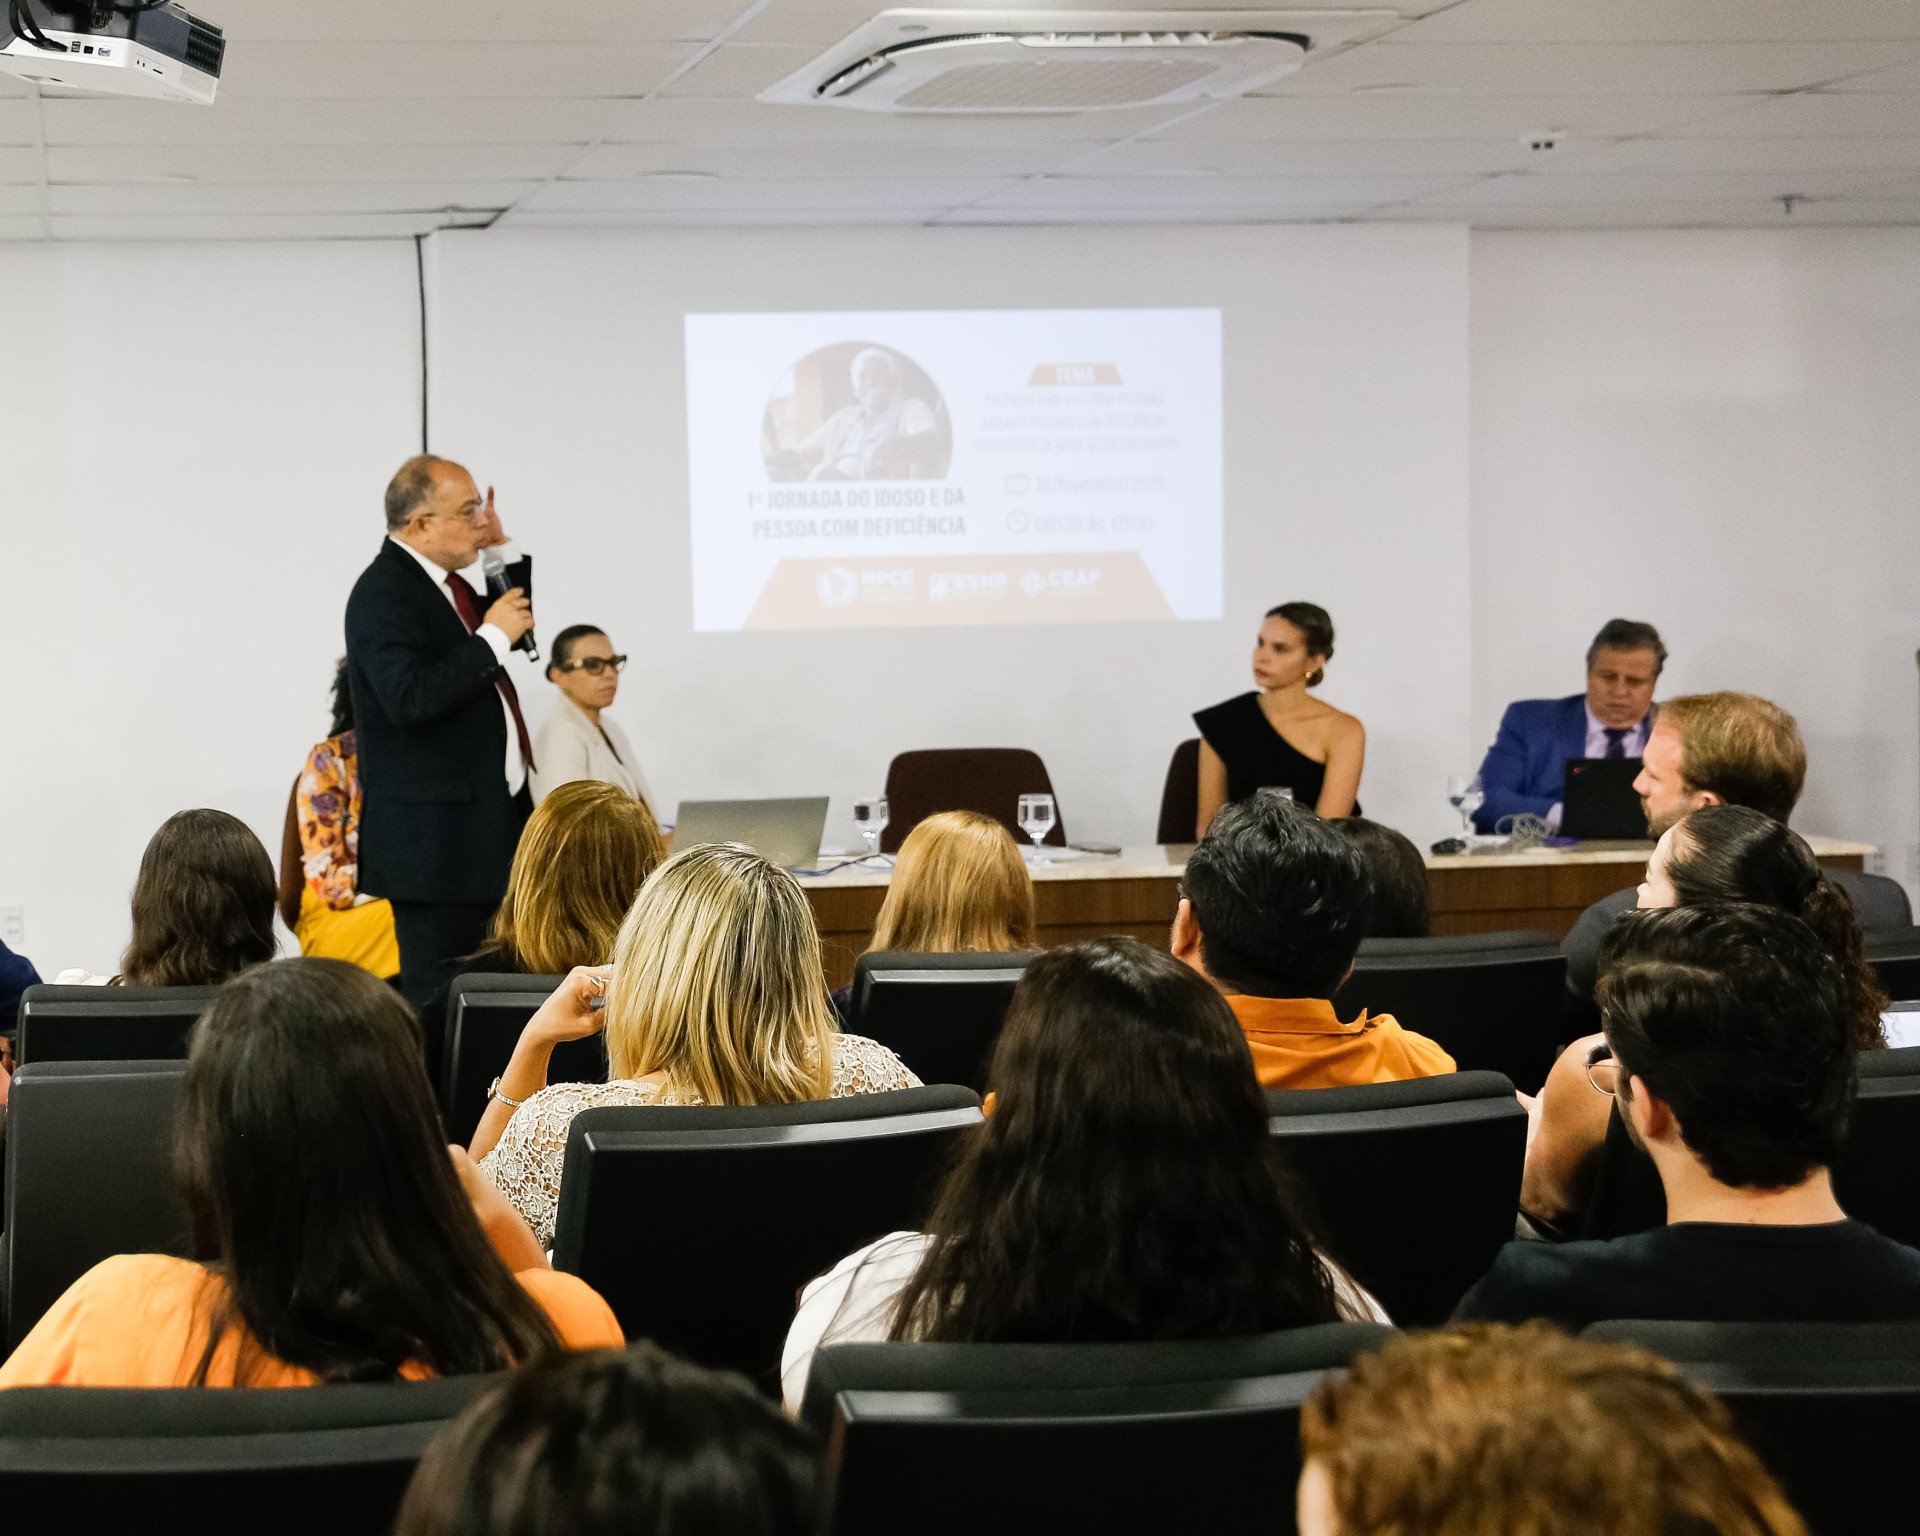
837 587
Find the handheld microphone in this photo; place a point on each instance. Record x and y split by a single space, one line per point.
495 570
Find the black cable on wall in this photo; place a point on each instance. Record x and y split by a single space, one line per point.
420 272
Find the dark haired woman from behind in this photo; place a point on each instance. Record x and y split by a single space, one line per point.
1281 737
202 906
1125 1103
1717 853
616 1443
337 922
1399 901
346 1244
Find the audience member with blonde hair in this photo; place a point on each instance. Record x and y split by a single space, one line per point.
1529 1432
715 996
959 886
583 855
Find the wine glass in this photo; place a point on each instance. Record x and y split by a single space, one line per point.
1465 795
1036 820
870 816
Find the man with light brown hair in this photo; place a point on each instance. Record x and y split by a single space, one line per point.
1719 749
1490 1429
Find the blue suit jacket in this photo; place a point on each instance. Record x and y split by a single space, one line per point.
1526 767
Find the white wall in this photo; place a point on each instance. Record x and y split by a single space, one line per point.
195 443
558 376
1718 432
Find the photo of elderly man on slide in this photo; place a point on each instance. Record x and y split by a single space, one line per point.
880 419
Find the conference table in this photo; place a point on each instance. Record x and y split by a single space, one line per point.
1085 895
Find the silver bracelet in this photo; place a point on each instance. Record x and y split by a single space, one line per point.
493 1092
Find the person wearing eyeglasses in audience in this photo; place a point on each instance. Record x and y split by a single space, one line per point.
580 740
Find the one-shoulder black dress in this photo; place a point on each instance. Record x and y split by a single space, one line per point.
1256 755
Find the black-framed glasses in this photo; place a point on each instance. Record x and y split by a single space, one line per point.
593 666
1602 1070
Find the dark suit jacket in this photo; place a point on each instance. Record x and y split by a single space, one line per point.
1877 903
1526 767
437 823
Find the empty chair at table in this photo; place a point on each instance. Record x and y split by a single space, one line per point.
989 780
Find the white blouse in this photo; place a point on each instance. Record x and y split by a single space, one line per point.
570 746
525 1164
853 1303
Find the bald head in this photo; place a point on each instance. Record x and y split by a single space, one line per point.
411 488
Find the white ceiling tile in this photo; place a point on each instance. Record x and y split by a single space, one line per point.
1733 186
694 121
254 121
1668 21
19 200
1596 69
345 71
1390 115
16 121
1669 157
798 196
1859 211
1814 115
248 21
226 197
1202 193
714 218
1312 157
822 161
330 226
313 163
19 165
1186 217
742 71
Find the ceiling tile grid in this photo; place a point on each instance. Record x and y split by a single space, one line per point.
382 119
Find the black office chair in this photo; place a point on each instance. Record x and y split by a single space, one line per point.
699 1225
1874 1179
989 780
1894 954
485 1014
108 1023
1833 1409
89 1174
1412 1185
1491 1001
1180 795
1036 1439
940 1014
321 1461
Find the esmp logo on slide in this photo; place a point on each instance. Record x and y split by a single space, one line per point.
837 586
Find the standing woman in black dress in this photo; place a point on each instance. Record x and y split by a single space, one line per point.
1282 735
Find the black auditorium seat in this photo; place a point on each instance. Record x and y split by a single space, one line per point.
485 1014
1894 954
1413 1185
1492 1001
940 1014
1832 1408
1874 1181
989 780
313 1461
89 1174
108 1023
699 1225
1037 1439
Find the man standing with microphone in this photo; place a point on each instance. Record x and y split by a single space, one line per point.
444 749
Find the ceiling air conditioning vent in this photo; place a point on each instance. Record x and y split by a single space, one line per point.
929 61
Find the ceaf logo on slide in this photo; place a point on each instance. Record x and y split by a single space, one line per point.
837 586
1072 580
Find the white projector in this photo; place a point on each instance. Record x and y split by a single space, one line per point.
156 51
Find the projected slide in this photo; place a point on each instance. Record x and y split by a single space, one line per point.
954 467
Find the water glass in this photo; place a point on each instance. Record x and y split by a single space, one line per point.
1466 795
870 816
1036 817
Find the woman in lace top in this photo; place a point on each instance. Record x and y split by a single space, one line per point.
1125 1102
715 996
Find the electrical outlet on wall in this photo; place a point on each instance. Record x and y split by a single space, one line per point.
13 927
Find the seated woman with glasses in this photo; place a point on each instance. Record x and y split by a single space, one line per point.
580 740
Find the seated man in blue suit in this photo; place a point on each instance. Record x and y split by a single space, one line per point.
1526 766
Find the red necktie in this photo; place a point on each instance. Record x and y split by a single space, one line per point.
469 607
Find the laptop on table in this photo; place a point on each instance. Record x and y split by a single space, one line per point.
1597 802
786 831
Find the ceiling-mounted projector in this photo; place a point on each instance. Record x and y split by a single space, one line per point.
956 61
151 48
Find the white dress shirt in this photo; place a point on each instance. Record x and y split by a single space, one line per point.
496 638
